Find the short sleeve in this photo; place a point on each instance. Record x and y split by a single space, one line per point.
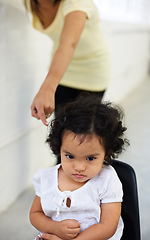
112 187
37 183
78 5
45 179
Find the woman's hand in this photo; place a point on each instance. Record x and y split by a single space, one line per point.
43 105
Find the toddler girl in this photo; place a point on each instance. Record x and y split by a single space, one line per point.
81 197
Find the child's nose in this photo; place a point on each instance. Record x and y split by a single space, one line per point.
80 166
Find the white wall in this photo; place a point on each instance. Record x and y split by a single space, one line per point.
135 11
129 46
24 57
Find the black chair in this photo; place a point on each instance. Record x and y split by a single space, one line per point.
130 205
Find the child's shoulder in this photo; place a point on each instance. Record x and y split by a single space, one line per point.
107 169
107 183
50 169
107 173
47 172
45 179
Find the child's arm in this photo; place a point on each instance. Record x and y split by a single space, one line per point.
110 214
67 229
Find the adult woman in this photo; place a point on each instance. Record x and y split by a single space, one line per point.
80 60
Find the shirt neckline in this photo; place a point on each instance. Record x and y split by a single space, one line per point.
37 23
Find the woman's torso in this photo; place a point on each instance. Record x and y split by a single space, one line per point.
89 68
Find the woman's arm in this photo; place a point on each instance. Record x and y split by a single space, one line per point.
110 214
66 229
44 103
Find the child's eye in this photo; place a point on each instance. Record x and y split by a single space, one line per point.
69 156
90 158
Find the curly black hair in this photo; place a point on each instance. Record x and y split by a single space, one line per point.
87 115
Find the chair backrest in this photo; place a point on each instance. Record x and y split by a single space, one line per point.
130 205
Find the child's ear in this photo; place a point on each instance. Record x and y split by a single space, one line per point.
108 153
107 159
106 156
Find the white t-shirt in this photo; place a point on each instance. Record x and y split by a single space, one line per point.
85 201
90 67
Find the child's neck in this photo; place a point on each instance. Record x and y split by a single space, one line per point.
67 184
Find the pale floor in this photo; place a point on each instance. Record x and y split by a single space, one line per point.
14 223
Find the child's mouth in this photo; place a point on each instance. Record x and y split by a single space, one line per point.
79 176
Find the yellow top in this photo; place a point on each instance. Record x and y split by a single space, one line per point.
89 68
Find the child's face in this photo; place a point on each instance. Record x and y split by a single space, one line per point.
81 157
